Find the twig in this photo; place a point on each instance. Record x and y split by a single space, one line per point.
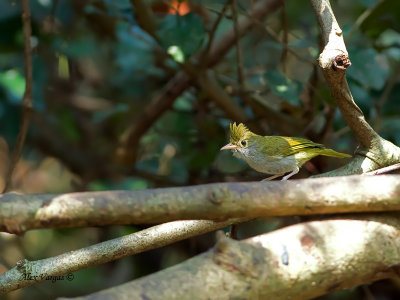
361 20
53 16
276 38
245 23
145 17
273 35
163 101
239 56
384 170
285 35
218 201
206 51
64 264
27 100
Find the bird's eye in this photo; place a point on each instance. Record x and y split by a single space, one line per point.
244 143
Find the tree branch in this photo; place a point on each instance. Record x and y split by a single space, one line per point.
297 262
333 53
385 170
217 202
239 56
144 17
147 239
206 52
334 60
181 81
27 100
210 85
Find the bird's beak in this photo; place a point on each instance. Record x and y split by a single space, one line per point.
229 147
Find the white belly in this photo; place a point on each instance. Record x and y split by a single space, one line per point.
266 164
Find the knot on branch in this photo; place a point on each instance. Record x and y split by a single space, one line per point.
238 258
21 264
217 195
341 62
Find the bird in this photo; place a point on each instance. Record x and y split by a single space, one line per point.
275 155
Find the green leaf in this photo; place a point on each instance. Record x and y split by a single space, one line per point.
14 82
176 53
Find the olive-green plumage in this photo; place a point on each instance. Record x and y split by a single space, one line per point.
274 154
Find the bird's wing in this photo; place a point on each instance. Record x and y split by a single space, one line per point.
286 146
300 144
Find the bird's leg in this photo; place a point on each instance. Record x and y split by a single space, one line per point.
295 171
273 177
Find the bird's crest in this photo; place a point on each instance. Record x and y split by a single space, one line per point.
239 132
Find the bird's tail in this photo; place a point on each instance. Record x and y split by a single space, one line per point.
333 153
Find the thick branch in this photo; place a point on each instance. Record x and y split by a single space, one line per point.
219 201
297 262
332 37
155 237
212 88
334 61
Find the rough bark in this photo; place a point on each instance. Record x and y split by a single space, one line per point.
375 152
218 202
27 273
298 262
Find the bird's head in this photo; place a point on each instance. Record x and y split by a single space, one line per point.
239 139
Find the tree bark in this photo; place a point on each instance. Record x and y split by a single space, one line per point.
375 151
298 262
27 273
218 202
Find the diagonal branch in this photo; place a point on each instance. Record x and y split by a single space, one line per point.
220 201
333 53
239 55
334 60
145 17
181 81
206 52
151 238
303 261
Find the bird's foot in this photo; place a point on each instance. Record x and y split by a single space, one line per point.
273 177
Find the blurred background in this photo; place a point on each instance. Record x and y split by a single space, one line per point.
107 114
